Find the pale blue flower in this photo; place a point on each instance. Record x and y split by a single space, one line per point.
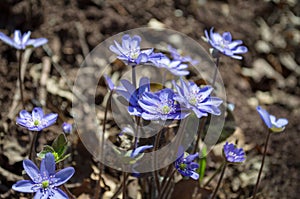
36 121
225 44
44 182
21 42
197 99
275 125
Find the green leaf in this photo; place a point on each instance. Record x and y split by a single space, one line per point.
60 144
46 149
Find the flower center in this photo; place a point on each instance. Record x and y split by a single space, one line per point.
182 166
36 122
193 100
45 184
166 109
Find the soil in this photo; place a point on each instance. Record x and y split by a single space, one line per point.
268 75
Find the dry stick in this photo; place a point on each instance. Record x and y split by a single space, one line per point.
119 189
200 130
214 175
262 165
156 175
20 78
98 189
220 180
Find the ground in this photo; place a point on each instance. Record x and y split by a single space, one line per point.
269 75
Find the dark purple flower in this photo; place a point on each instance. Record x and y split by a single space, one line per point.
159 105
197 99
178 57
21 42
233 154
44 181
67 128
270 120
36 121
185 165
130 51
175 67
225 45
132 95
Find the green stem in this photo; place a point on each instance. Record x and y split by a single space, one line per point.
20 78
262 165
220 180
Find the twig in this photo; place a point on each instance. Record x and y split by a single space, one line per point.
220 180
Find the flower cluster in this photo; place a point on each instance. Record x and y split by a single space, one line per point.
44 182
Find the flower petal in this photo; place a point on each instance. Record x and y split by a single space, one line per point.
36 42
265 116
31 170
24 186
50 119
25 37
17 37
63 175
58 193
7 39
42 194
140 150
37 114
50 163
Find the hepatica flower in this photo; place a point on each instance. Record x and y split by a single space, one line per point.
185 165
159 105
130 51
224 44
178 57
233 154
44 182
67 128
275 125
174 66
197 99
36 121
132 95
21 42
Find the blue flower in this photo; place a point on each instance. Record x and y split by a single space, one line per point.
132 95
36 121
225 45
233 154
159 105
130 51
44 182
67 128
185 165
275 125
197 99
177 57
21 42
140 150
174 66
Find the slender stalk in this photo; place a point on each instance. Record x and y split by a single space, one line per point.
124 185
216 71
156 174
20 78
214 175
71 196
134 76
98 188
262 165
219 182
163 190
136 139
200 130
167 175
32 146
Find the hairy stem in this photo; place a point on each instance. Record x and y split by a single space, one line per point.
200 130
216 71
156 174
214 175
134 76
20 78
262 165
32 146
220 180
163 189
